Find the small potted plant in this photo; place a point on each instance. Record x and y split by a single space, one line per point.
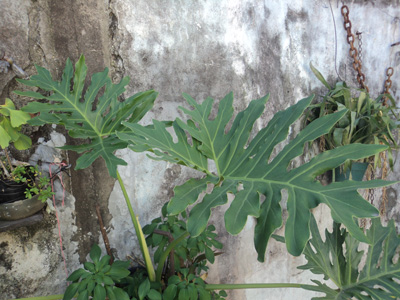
367 121
21 185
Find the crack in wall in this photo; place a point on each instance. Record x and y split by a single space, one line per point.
117 62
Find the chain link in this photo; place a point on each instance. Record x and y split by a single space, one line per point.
388 84
357 65
359 37
371 193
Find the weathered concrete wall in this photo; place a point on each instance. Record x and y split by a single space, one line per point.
201 48
47 33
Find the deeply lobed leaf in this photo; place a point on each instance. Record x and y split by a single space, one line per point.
246 170
339 260
95 117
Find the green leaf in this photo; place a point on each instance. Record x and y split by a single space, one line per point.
71 291
84 295
154 295
174 279
10 126
120 294
246 169
19 118
210 255
170 292
90 287
117 273
104 262
193 295
99 292
183 294
144 288
95 253
99 124
121 264
110 293
203 294
319 76
4 137
187 193
76 275
23 142
107 280
89 266
339 260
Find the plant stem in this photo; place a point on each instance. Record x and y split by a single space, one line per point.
164 255
51 297
240 286
171 254
139 232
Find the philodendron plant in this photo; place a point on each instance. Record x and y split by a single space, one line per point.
245 168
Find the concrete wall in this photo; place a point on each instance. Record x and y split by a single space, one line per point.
206 48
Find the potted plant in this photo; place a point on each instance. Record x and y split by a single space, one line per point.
21 185
366 121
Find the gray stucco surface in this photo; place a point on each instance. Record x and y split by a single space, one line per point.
203 48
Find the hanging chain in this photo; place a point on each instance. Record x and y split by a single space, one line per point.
385 171
370 175
371 195
353 51
359 37
388 85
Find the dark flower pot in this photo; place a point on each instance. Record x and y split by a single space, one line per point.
20 209
11 191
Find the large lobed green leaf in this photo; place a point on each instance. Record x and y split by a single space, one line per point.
245 169
95 117
339 260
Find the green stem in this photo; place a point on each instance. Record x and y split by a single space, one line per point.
211 287
165 254
139 232
51 297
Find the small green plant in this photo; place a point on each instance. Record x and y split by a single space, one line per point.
192 253
98 278
37 184
185 285
366 121
11 121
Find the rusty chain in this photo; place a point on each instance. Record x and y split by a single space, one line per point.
353 51
359 37
388 84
